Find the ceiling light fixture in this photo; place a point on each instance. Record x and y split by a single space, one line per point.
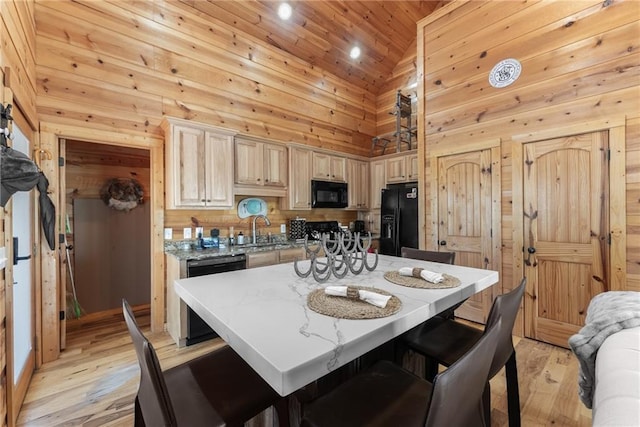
355 52
284 11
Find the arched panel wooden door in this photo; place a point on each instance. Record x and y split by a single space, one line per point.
565 205
464 219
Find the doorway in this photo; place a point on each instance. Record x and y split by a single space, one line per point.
566 232
109 246
20 293
466 217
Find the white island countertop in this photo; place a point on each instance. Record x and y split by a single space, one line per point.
262 314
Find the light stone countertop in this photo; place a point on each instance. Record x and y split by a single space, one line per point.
262 314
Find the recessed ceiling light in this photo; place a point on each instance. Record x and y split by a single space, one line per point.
284 11
355 52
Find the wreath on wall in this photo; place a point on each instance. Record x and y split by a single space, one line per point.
122 194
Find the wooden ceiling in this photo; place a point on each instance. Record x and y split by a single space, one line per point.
322 33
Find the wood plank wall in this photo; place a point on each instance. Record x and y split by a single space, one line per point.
580 63
121 66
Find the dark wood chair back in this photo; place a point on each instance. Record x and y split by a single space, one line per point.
457 391
153 396
442 257
505 307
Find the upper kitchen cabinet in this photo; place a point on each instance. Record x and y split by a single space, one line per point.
329 168
378 182
299 194
199 165
358 181
402 168
261 167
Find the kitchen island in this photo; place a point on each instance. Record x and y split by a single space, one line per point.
262 314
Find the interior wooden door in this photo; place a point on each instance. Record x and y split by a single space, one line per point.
464 219
565 209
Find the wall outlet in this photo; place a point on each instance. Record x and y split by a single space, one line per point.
168 233
283 228
187 233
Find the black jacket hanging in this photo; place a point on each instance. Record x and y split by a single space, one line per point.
19 173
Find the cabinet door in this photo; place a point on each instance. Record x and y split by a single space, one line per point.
249 162
338 169
378 182
300 180
275 165
219 170
321 166
412 167
290 255
358 180
363 188
188 157
260 259
396 169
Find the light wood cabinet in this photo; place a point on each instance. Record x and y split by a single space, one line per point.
378 181
292 254
261 259
299 194
329 168
412 167
358 181
199 165
260 167
402 168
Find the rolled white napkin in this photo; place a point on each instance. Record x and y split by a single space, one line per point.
373 298
429 276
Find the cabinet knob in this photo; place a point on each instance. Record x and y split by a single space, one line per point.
443 243
258 179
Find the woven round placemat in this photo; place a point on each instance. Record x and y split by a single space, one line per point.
415 282
348 308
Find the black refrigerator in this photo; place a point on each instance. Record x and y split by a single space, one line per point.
399 218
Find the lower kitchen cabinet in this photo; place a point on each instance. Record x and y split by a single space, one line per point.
290 255
260 259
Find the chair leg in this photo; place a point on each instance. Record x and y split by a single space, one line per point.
138 419
430 368
513 393
282 411
486 404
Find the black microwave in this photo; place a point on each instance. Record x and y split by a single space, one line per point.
326 194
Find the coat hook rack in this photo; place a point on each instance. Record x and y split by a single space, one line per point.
39 153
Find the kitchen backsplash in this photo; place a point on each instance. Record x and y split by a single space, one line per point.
223 220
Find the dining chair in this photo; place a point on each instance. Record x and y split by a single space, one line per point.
442 257
445 341
217 389
388 395
434 256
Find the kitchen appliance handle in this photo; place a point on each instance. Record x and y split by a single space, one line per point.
396 230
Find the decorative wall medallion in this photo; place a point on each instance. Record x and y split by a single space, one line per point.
505 72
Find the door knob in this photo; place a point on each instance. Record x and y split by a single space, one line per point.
531 250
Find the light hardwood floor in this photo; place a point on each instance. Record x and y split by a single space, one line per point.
95 380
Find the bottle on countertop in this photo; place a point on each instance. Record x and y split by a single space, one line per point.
215 239
240 238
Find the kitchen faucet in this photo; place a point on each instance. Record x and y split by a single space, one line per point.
253 227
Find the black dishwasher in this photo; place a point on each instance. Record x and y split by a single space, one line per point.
197 329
